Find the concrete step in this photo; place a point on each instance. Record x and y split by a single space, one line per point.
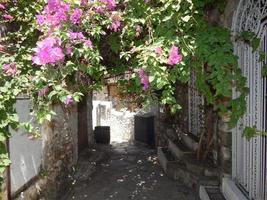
190 141
178 149
210 193
166 159
188 158
207 168
177 170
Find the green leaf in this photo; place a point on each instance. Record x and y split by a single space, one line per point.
255 43
250 132
264 70
262 56
2 137
114 43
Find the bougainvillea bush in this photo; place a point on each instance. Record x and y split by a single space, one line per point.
59 50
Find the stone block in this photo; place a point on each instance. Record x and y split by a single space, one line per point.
223 126
190 142
226 153
179 171
210 172
226 139
195 168
171 134
164 162
179 150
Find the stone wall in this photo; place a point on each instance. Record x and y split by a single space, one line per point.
182 115
3 188
59 155
90 130
225 146
226 19
60 146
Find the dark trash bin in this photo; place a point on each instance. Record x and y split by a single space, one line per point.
144 129
102 134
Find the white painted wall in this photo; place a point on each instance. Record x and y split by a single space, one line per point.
97 116
121 121
25 154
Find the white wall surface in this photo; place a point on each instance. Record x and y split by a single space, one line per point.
121 121
25 153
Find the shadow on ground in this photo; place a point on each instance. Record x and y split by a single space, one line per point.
124 171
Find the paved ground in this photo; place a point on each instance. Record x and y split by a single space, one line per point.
121 172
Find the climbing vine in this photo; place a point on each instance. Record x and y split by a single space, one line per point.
58 51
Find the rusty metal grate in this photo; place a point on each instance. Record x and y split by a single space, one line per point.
214 193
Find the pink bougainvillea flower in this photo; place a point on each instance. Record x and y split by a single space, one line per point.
138 30
76 35
68 100
53 14
116 23
40 19
88 43
2 6
84 2
56 18
110 4
76 15
43 91
99 9
141 72
144 79
7 16
56 5
158 50
10 69
174 56
69 48
48 51
53 5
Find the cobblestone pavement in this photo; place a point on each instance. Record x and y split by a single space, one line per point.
124 171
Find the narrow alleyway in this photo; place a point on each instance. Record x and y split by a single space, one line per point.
124 171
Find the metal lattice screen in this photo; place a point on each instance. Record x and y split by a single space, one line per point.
195 107
249 156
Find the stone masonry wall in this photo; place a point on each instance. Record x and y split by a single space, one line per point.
60 155
90 130
60 145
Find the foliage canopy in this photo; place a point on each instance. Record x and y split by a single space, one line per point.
60 50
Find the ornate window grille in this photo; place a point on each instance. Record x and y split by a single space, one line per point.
195 107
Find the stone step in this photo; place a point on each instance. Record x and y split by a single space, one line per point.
166 159
207 168
178 171
188 157
178 149
190 141
210 193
